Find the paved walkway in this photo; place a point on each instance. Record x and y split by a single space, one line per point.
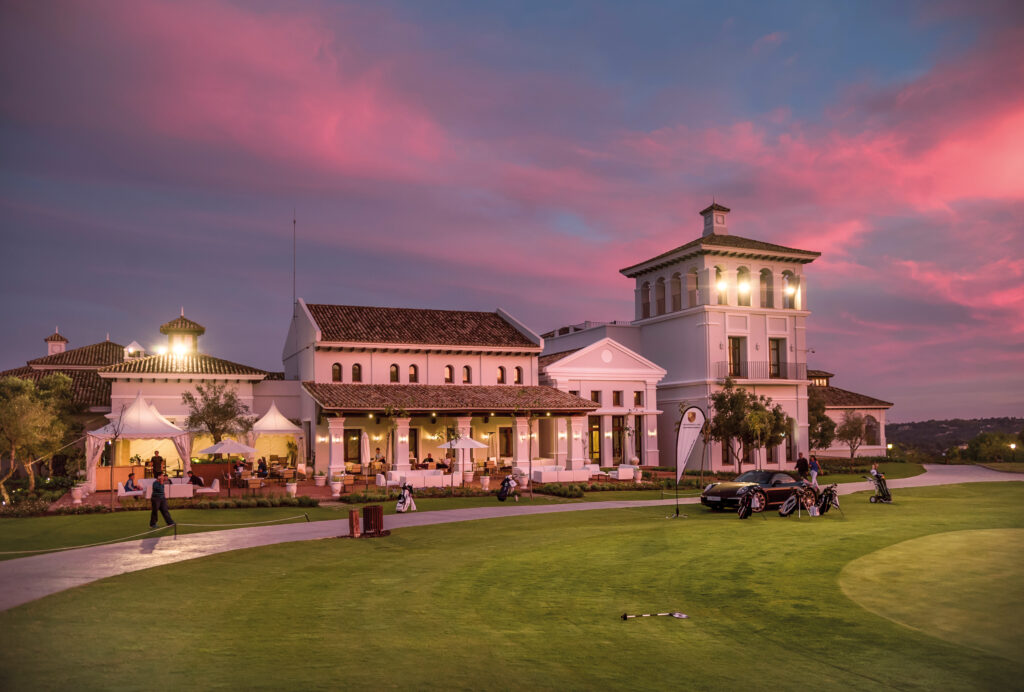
26 579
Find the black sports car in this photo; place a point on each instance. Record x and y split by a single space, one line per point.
776 485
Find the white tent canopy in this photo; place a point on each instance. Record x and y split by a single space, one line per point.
228 446
273 422
137 421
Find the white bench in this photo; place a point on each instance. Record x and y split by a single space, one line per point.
212 490
419 478
121 492
625 472
546 474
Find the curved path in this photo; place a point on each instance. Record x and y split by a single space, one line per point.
26 579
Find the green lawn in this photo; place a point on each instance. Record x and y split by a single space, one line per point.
891 469
35 533
1005 466
534 602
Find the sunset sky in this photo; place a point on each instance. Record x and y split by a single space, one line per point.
476 155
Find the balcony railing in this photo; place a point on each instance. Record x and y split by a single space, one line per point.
760 370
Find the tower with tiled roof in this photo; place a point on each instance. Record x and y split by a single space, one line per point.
55 343
182 334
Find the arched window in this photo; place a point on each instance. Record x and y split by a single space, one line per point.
414 374
467 375
871 430
692 288
677 293
790 286
743 287
767 289
394 373
449 374
357 373
336 372
501 374
645 300
519 375
721 286
659 295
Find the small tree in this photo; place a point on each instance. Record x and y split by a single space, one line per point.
821 430
730 406
217 410
528 411
852 431
746 420
31 425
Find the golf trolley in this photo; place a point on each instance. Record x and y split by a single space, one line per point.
882 493
828 499
752 500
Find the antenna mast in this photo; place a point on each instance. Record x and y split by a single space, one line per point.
293 255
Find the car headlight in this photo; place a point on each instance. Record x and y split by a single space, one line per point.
743 490
709 486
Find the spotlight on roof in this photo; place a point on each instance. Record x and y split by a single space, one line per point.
744 287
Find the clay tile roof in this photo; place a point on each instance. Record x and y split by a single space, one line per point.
841 398
427 397
274 376
94 355
354 323
550 358
714 207
187 364
87 388
56 336
182 324
820 373
723 244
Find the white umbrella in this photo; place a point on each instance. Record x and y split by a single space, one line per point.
364 451
228 447
463 443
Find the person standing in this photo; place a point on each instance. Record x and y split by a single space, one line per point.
801 466
157 462
815 470
158 501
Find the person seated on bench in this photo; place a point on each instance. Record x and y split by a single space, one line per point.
440 464
195 480
130 485
261 468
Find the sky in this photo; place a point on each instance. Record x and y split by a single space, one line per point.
468 155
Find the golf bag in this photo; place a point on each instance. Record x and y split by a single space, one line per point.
507 488
753 500
405 501
744 509
829 499
800 496
882 493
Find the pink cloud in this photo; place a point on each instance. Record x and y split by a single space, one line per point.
768 42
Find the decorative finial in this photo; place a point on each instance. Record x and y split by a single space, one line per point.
182 310
108 336
56 330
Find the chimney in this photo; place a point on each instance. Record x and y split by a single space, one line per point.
55 343
715 220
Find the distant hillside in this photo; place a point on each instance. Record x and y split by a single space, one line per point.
937 435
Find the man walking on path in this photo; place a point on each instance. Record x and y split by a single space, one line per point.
801 466
159 502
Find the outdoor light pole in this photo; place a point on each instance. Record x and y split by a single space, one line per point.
1013 451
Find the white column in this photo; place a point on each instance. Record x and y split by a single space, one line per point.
562 441
402 444
463 457
709 296
606 440
801 294
336 446
521 442
629 441
578 429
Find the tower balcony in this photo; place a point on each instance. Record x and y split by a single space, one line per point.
759 370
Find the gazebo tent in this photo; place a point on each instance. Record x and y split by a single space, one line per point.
138 421
273 422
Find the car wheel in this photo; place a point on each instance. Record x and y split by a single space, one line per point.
758 500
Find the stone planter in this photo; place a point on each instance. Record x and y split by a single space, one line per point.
485 482
320 481
77 493
467 476
336 487
291 489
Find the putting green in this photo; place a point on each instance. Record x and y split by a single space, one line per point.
963 587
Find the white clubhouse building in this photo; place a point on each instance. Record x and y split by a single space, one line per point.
357 378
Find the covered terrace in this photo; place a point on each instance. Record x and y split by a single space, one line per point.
408 422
